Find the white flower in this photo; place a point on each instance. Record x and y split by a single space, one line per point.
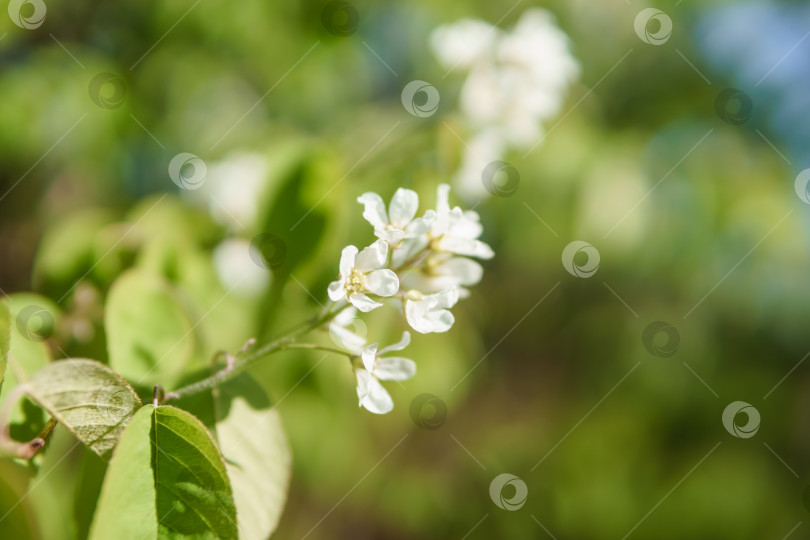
457 231
431 263
364 273
398 223
429 313
372 395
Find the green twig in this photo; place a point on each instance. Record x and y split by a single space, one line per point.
244 359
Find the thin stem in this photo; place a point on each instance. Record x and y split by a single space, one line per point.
244 359
416 258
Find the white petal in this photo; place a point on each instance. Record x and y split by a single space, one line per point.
382 282
403 207
406 339
336 290
394 369
407 249
346 316
468 225
371 393
390 236
465 246
362 377
347 259
444 299
369 356
440 321
461 270
427 315
437 281
416 309
374 211
424 283
343 337
420 225
372 257
363 302
424 321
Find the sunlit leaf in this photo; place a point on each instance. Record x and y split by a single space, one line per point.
166 480
88 398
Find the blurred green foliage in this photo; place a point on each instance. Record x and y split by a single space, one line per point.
562 393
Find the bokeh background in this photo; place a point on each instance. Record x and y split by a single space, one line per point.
686 190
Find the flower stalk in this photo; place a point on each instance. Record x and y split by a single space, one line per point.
245 358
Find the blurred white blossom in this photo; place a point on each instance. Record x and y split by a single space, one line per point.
233 188
236 270
516 81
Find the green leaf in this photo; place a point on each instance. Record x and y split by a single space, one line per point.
166 480
291 230
150 338
66 250
88 398
294 219
257 457
5 338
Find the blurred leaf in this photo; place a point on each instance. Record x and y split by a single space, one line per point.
168 216
295 224
252 439
225 321
88 488
166 480
88 398
150 338
114 249
293 219
66 249
17 521
5 337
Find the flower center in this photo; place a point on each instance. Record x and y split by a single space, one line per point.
354 282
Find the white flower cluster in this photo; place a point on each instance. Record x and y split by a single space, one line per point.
423 261
515 81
